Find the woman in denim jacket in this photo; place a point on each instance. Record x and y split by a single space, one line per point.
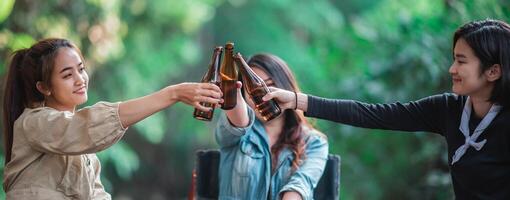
280 159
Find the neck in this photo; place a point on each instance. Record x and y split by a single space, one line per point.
274 129
481 106
480 100
59 107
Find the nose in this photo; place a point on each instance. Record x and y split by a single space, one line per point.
80 79
452 69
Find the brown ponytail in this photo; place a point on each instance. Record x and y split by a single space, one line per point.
13 99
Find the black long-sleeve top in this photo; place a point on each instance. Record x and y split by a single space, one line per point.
483 174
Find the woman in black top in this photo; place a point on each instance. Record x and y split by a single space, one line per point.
474 119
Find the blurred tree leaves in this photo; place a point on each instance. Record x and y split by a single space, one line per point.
369 50
5 9
123 157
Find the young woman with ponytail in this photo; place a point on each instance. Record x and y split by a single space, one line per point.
50 146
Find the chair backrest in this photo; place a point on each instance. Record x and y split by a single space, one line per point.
207 183
329 184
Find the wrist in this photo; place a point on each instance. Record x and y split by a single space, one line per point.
295 100
172 94
302 101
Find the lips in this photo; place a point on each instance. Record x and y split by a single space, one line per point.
456 80
81 90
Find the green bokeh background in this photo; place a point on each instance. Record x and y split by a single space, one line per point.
369 50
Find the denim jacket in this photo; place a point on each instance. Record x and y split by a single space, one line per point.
245 163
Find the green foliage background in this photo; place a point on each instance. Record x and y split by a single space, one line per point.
369 50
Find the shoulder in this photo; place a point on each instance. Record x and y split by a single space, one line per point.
41 112
444 100
314 136
448 97
50 114
102 105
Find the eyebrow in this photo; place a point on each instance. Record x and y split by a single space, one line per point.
269 79
460 56
67 68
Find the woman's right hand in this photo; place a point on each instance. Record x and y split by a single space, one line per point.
287 99
195 93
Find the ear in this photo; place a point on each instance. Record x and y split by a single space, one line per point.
42 88
493 73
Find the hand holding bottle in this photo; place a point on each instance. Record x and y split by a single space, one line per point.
194 93
211 76
288 99
256 88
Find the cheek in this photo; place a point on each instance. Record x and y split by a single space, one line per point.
86 78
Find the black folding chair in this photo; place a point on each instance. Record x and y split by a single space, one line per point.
206 181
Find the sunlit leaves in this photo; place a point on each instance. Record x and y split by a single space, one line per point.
19 41
5 9
153 128
188 15
123 158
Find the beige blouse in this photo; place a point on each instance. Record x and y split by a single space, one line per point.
53 152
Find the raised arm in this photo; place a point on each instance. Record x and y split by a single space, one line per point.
134 110
427 114
235 122
238 116
97 127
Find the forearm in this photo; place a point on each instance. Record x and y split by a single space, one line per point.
238 116
421 115
135 110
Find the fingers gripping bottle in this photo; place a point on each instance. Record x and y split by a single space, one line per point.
256 89
211 76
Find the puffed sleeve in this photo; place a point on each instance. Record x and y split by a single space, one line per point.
88 130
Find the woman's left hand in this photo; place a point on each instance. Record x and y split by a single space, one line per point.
291 195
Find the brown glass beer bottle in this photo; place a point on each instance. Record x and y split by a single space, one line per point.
228 78
256 88
211 76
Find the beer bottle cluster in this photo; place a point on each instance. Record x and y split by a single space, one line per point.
226 77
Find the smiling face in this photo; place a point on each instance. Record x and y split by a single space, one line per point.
465 71
68 82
